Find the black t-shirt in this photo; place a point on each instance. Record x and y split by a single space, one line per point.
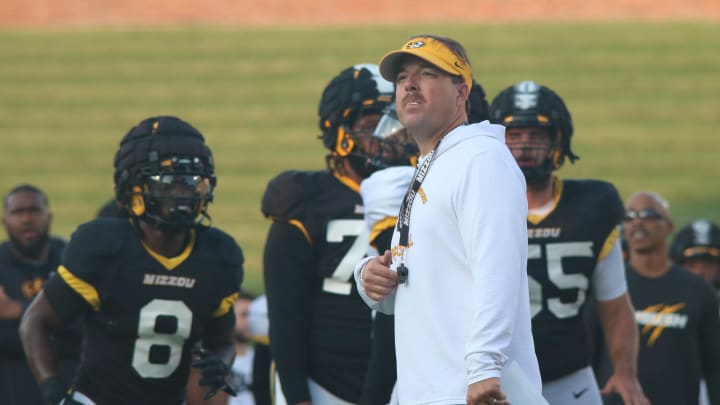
679 330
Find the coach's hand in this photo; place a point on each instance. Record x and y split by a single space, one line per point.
214 373
486 392
377 278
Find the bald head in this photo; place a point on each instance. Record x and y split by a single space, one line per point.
647 223
649 199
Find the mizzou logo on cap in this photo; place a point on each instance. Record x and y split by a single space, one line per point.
415 44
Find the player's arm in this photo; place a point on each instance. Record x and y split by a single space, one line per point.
10 312
382 367
214 364
213 357
287 270
9 308
62 299
382 370
616 314
620 330
36 326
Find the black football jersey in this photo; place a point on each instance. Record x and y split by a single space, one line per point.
143 312
319 325
563 249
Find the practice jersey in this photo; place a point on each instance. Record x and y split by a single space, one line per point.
143 312
564 247
319 325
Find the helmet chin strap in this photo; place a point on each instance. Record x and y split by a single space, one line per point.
182 215
362 165
538 177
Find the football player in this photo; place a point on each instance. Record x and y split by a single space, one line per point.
319 325
696 247
152 287
573 248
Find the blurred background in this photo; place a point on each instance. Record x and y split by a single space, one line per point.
639 77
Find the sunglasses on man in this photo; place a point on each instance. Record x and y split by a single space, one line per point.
642 214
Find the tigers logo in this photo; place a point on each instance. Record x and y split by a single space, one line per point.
701 232
397 251
423 196
656 318
526 95
415 44
30 288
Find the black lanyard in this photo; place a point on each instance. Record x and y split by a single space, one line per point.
403 224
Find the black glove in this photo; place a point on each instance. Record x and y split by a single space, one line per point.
214 373
53 390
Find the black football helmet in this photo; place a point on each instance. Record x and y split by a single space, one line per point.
356 91
528 104
397 147
477 105
164 174
698 240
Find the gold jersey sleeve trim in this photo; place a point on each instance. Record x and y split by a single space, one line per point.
350 183
609 243
82 287
225 305
263 340
380 227
299 225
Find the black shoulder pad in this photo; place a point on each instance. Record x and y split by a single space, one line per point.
227 249
602 196
102 236
92 243
287 194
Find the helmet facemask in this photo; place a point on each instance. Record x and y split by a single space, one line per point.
349 110
362 145
538 155
530 105
174 194
396 146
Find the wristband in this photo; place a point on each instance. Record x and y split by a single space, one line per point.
53 390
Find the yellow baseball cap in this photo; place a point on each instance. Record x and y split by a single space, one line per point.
430 50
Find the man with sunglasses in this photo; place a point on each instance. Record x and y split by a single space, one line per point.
676 311
573 250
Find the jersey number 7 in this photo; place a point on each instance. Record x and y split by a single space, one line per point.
337 230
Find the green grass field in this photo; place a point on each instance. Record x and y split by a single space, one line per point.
645 99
